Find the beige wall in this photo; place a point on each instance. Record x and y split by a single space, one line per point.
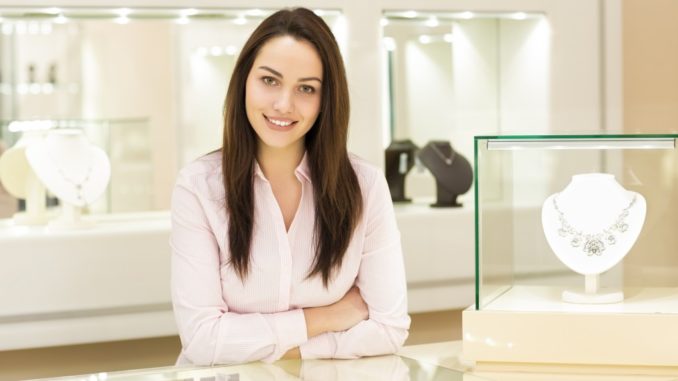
650 104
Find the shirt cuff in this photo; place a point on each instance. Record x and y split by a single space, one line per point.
290 330
323 346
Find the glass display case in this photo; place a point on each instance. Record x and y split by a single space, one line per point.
127 142
575 243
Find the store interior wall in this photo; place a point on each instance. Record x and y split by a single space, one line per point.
650 105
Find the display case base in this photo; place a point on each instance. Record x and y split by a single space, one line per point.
631 333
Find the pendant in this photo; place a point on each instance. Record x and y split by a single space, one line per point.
594 246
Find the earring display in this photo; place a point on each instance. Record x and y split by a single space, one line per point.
21 181
591 226
399 159
74 170
451 170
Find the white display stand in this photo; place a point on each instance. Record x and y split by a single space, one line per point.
591 226
21 181
74 170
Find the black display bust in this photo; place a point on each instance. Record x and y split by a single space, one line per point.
399 159
451 170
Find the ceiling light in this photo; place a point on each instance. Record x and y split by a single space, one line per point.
432 22
425 39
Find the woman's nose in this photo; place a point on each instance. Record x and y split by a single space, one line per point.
284 103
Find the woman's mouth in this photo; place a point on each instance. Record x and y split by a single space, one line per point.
279 123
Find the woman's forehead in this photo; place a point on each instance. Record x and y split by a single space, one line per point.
292 58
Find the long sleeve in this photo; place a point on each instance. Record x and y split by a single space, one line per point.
210 333
382 284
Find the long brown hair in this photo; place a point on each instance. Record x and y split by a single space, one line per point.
336 191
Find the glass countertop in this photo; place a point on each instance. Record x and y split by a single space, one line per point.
381 368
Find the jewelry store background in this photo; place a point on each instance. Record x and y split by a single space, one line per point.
137 89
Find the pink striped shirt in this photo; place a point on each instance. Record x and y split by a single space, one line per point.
222 320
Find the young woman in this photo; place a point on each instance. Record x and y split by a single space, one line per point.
283 245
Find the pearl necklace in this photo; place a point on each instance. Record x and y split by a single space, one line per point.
593 243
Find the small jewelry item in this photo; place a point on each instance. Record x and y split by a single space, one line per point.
77 184
447 159
593 243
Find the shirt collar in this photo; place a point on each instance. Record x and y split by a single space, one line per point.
301 170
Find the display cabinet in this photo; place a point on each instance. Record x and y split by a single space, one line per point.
125 141
575 250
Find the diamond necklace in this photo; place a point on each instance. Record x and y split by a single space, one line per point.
447 159
593 243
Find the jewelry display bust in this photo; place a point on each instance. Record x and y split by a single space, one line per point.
451 170
71 168
21 181
399 159
591 225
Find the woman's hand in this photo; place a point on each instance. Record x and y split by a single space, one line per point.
350 310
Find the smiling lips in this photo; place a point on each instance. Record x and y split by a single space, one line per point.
279 124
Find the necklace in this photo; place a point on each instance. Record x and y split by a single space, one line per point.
593 243
447 159
77 184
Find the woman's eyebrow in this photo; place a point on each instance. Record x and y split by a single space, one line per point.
278 74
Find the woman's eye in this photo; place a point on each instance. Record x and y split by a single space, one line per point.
270 81
307 89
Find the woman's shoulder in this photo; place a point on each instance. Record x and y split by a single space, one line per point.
204 175
367 172
203 166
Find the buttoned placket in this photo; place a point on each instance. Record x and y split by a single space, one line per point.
285 239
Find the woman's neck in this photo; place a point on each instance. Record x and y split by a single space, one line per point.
277 162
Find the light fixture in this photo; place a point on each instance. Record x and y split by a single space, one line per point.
33 27
383 21
182 20
564 143
254 12
389 43
240 20
425 39
432 22
216 51
61 19
20 27
188 12
52 10
30 125
123 11
410 14
448 37
519 16
231 50
466 15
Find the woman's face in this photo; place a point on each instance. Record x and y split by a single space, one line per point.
282 93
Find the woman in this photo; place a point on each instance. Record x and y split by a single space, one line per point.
283 246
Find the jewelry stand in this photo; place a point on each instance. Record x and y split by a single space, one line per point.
21 181
591 225
399 159
593 294
69 219
72 169
451 170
